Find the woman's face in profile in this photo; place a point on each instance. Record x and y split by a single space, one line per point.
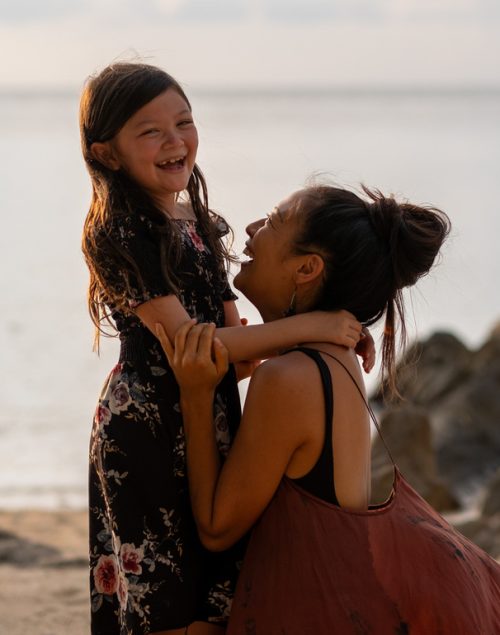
266 278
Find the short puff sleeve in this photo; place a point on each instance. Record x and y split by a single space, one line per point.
132 247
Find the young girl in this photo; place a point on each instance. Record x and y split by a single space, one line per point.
302 453
155 257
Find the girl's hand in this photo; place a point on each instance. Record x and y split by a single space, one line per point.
337 327
365 348
199 360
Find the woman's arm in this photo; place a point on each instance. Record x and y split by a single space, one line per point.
259 341
227 502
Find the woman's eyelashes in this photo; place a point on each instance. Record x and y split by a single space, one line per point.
269 221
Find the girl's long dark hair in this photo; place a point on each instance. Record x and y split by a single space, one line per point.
108 100
372 248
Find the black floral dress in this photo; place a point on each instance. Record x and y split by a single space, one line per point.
148 569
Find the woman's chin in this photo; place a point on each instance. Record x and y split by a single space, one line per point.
238 281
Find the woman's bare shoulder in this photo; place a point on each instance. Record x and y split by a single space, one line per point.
285 376
288 366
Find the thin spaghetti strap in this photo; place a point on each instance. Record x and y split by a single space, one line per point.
369 408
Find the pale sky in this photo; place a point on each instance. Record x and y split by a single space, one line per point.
247 43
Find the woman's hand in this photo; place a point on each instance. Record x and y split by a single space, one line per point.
198 359
365 348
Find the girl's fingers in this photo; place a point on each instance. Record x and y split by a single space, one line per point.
357 328
353 338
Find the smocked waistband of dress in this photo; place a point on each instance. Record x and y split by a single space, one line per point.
134 346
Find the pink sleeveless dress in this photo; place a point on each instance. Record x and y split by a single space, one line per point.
313 568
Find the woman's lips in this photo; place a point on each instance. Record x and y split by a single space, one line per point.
247 252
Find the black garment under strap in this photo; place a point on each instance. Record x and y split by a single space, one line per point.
369 408
319 480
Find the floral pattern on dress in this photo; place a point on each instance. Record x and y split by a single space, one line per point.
192 234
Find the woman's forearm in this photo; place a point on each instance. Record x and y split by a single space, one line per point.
203 460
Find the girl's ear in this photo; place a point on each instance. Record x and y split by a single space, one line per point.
310 269
103 152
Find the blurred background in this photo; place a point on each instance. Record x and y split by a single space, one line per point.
403 95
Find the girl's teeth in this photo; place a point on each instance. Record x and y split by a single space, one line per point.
171 162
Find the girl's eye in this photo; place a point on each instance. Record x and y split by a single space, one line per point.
186 122
269 221
150 132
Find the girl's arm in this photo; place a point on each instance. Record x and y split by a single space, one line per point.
227 503
259 341
244 369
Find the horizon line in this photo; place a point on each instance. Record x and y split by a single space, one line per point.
292 90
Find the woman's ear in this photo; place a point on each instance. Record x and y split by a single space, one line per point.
310 269
103 153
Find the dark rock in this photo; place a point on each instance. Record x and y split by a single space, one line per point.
460 390
484 532
491 504
431 369
23 553
407 432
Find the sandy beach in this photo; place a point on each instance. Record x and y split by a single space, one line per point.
43 573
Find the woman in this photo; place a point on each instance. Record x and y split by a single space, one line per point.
321 248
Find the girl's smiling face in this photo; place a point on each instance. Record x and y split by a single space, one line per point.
157 147
268 278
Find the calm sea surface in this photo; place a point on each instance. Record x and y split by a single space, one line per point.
254 149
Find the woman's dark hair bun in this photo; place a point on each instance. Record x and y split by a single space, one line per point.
412 234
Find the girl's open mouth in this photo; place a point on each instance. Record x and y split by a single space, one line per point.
172 164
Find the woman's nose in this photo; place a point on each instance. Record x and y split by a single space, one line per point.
253 227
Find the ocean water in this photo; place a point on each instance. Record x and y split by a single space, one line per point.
255 148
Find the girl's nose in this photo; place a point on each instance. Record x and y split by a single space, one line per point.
253 227
173 139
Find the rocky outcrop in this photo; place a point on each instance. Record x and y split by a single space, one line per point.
491 504
24 553
459 390
445 432
407 432
484 530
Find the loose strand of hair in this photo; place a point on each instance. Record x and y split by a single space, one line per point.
394 322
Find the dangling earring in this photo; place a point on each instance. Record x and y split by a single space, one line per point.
292 309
